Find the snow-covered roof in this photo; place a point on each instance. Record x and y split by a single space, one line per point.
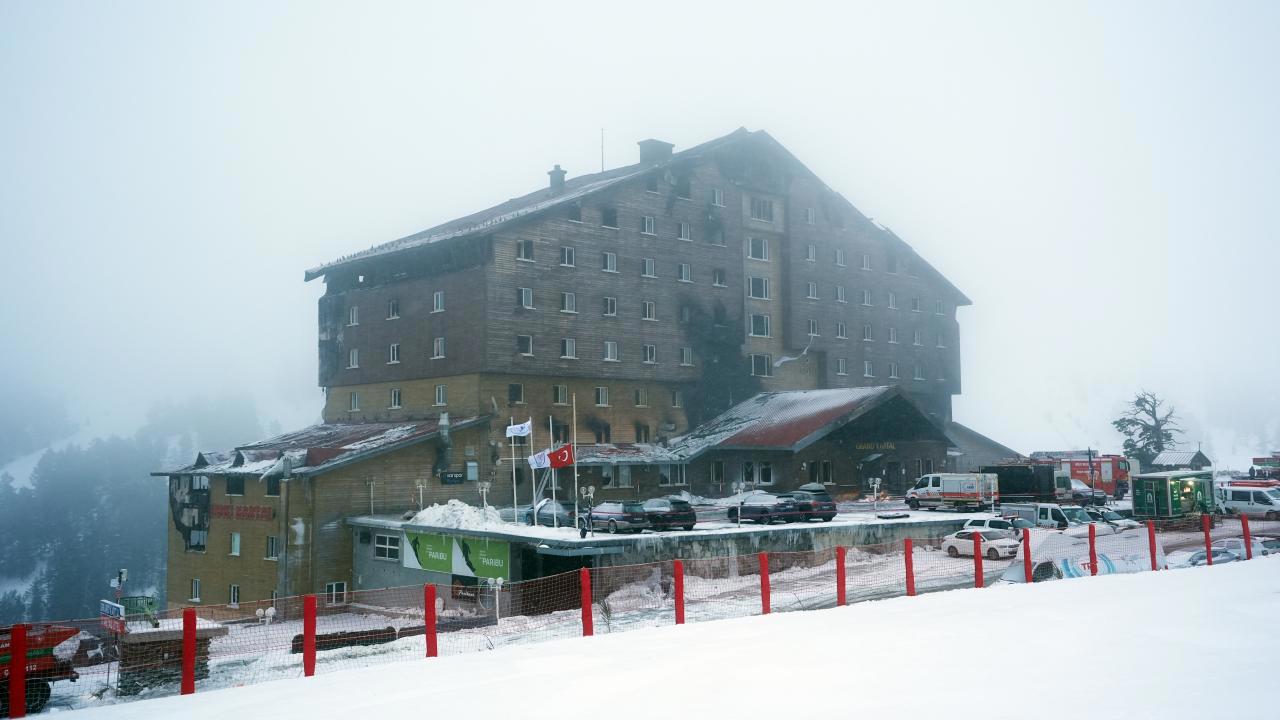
316 449
1174 458
625 454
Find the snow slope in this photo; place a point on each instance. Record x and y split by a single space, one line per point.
903 657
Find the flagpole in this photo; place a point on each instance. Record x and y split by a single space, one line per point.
515 513
555 515
575 459
533 485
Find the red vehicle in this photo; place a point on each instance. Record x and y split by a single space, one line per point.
1110 473
43 667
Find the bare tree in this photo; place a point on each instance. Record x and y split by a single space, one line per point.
1149 429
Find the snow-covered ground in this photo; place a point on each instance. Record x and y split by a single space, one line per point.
923 657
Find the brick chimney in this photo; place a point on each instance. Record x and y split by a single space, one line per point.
557 179
654 151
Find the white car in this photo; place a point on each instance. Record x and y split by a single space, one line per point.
988 524
1113 518
996 544
1236 545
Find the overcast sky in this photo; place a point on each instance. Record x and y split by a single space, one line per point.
1100 178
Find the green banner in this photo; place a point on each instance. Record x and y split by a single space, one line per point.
481 558
430 552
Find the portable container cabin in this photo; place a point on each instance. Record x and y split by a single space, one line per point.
1172 494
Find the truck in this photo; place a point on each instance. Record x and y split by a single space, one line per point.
1255 498
1031 482
1108 473
44 665
972 491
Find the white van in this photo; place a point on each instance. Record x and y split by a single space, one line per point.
1255 499
975 491
1049 515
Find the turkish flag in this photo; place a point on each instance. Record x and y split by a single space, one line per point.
562 457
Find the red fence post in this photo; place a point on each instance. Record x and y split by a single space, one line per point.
1151 542
764 583
1093 549
1026 553
911 570
429 617
977 560
584 581
1208 541
1248 539
309 635
677 571
188 651
841 597
18 671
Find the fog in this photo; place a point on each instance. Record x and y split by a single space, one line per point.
1098 178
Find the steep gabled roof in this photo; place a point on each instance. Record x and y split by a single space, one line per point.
1174 458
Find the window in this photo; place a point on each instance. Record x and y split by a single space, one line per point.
809 216
647 225
917 338
568 302
867 335
353 315
760 325
718 278
515 393
893 301
273 487
568 348
603 433
395 399
524 344
766 473
716 236
761 210
393 354
891 264
758 248
437 348
759 288
353 402
650 354
941 341
442 395
651 184
682 231
650 310
235 544
683 188
893 335
866 261
437 301
893 370
811 253
353 358
842 366
611 350
684 273
811 290
566 256
917 373
686 314
686 356
386 547
609 262
840 257
602 397
672 475
393 309
813 327
840 294
641 433
335 593
609 217
574 213
524 298
642 397
677 399
866 298
235 485
233 596
560 394
195 590
273 552
842 331
762 365
198 540
524 250
717 197
915 304
937 308
868 370
650 268
610 306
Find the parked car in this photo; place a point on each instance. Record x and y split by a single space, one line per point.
669 512
1186 559
550 513
618 516
1020 524
1085 495
764 508
990 524
1236 545
996 544
1112 518
812 501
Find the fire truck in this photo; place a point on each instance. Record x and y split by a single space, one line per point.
1108 473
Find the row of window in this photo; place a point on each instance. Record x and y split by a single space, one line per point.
760 326
393 308
762 365
199 541
516 396
840 258
335 593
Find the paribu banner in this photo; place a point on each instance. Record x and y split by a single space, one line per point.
472 557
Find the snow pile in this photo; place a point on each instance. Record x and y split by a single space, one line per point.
458 515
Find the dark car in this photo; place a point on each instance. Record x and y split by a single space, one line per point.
549 514
1085 495
812 503
619 516
764 508
667 513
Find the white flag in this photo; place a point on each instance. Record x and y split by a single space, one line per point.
540 460
521 430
